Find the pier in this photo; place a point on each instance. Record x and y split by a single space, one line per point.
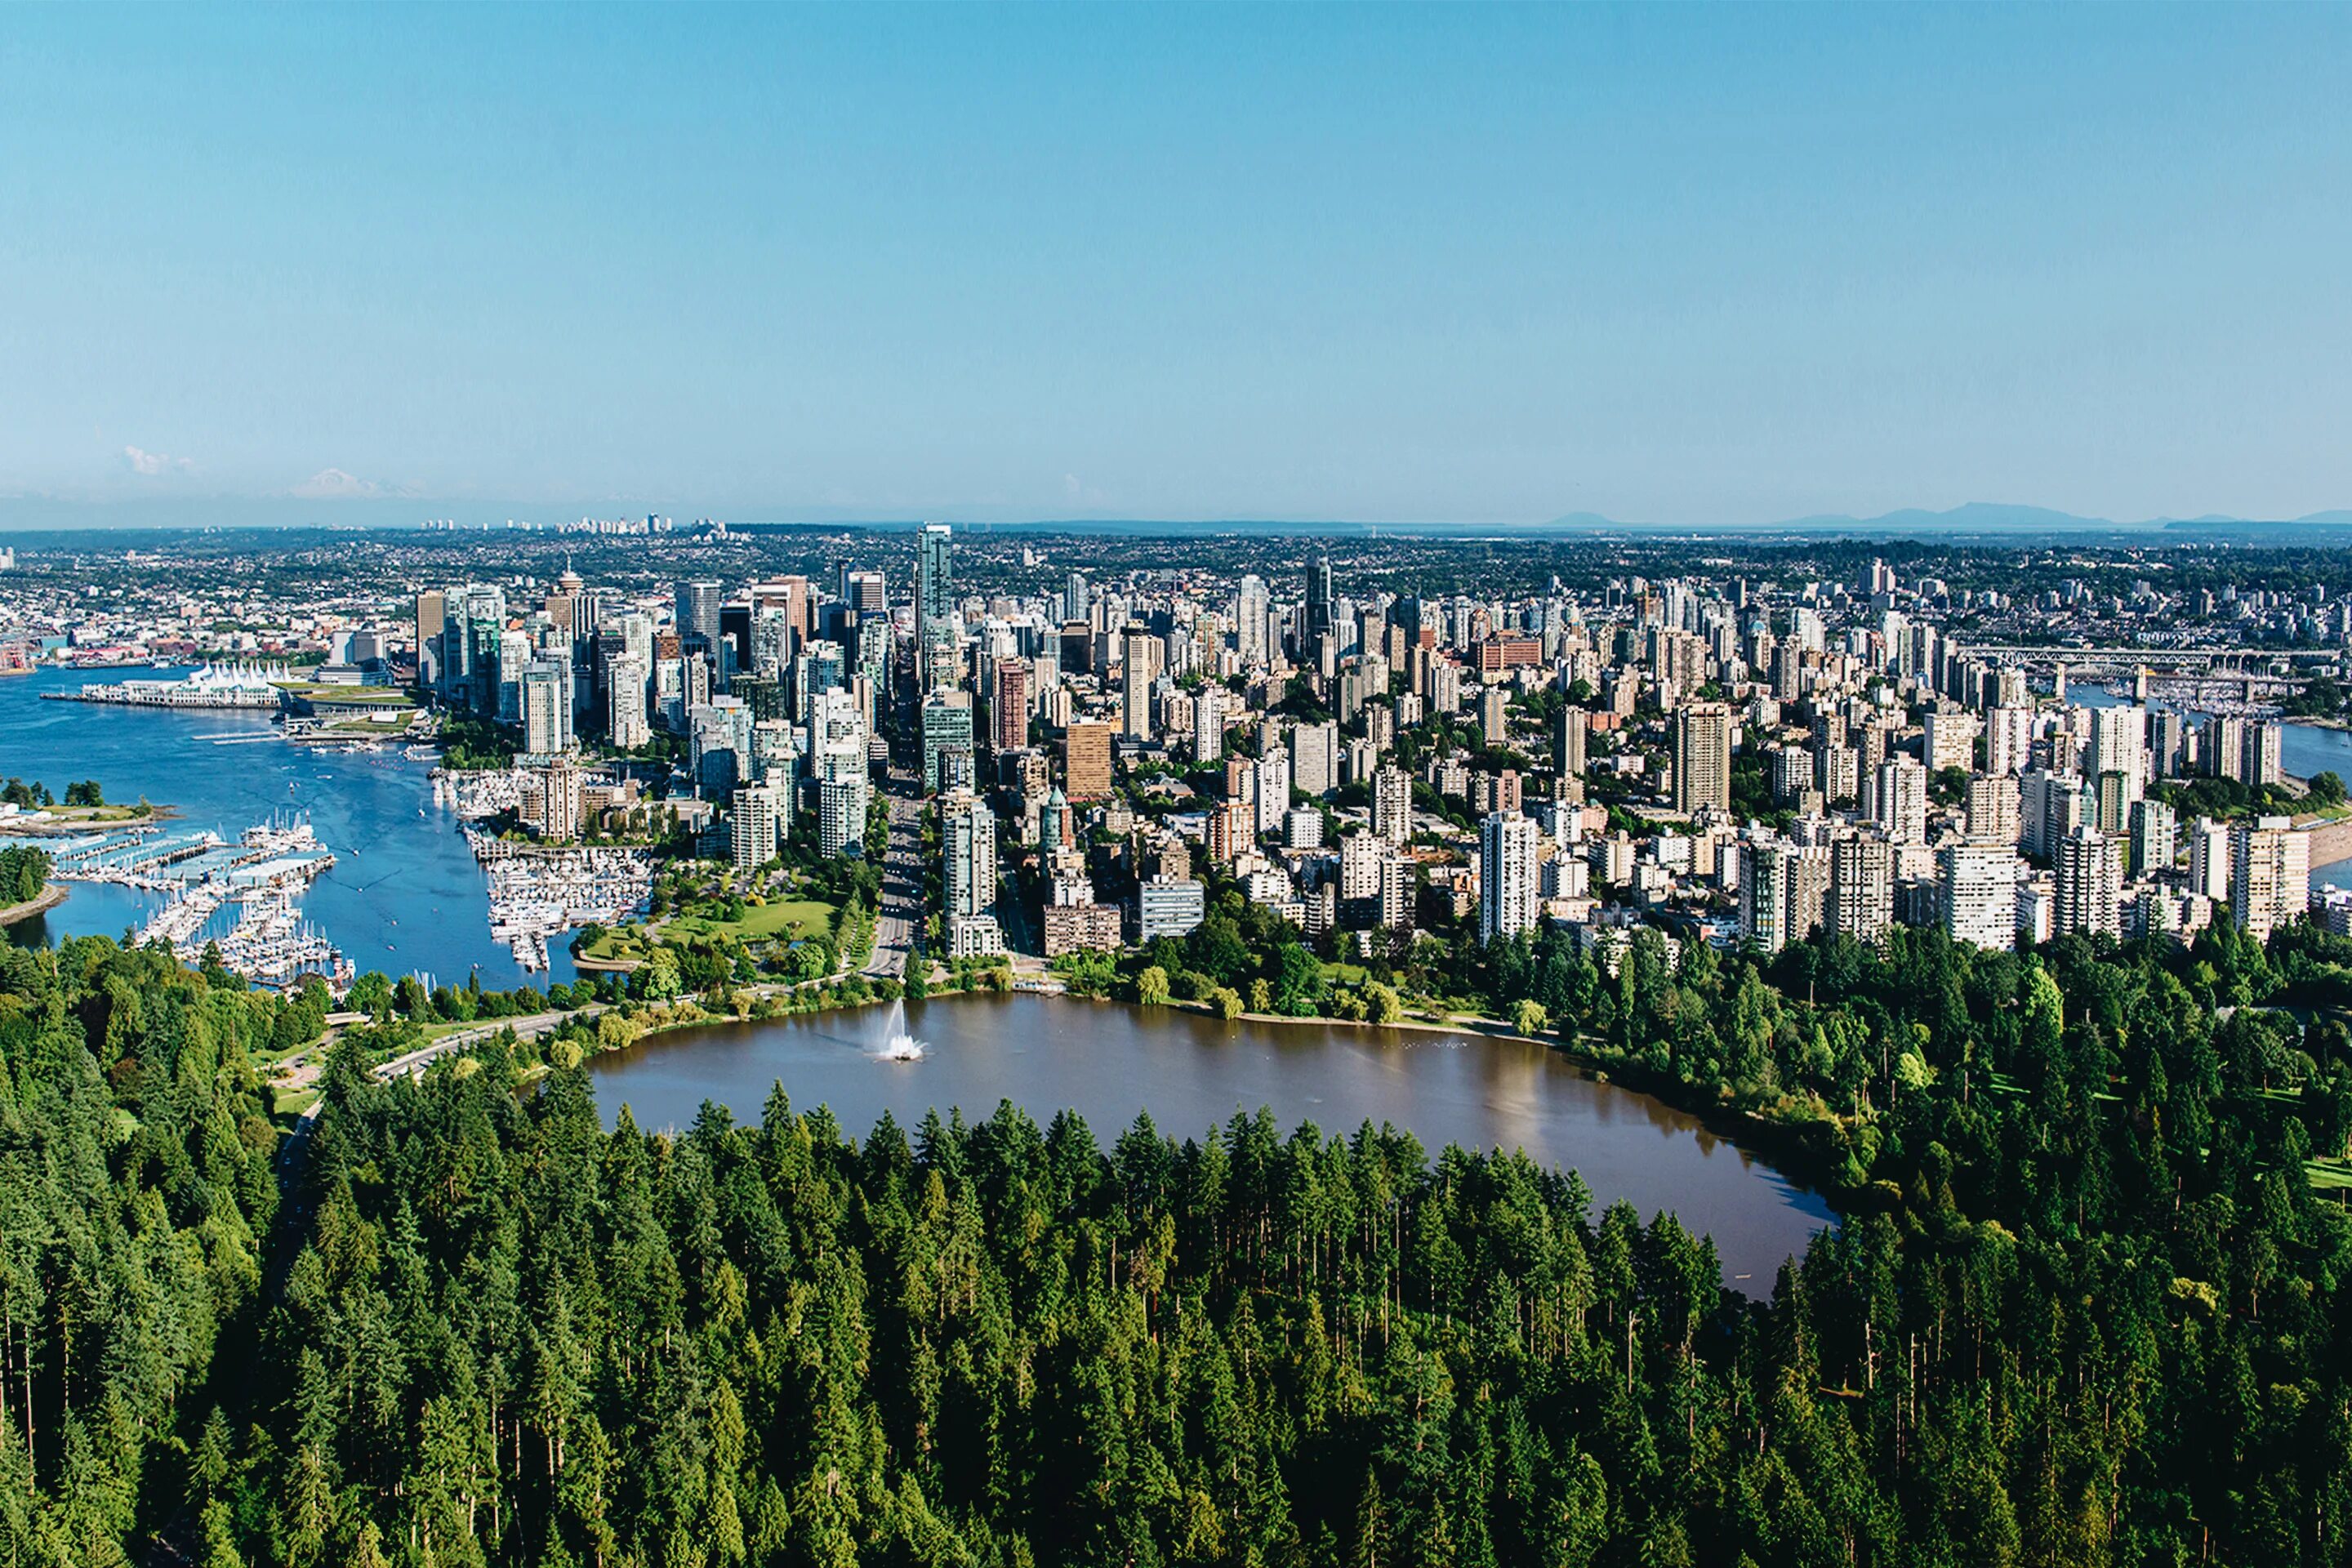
213 686
262 874
538 893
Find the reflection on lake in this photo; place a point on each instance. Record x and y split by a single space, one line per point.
1109 1063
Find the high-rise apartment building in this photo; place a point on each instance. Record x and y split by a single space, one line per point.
946 723
2009 740
546 701
1273 793
1008 708
1766 921
1086 761
1315 758
432 615
1509 892
1320 604
2089 883
1951 741
968 846
756 827
1139 661
841 814
624 703
1250 618
934 574
1993 815
865 593
1392 805
2262 765
2224 747
2269 875
1980 894
2155 840
837 735
1208 705
2118 752
1494 717
1569 732
1702 757
1861 889
2167 742
2208 859
1899 800
936 652
698 614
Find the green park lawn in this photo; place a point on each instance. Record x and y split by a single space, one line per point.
98 813
2328 1176
334 696
786 919
791 919
616 946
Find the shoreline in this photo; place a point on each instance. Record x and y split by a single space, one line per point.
55 893
61 828
1783 1145
1743 1129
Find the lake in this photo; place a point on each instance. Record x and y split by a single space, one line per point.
404 896
1108 1062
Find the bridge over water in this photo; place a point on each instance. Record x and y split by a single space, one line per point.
2257 672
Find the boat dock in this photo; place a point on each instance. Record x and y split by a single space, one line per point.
263 872
539 893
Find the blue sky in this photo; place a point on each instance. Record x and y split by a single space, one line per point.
1677 265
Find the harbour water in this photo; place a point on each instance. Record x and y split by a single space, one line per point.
1110 1062
404 895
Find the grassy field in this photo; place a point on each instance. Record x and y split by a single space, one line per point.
787 917
616 946
2328 1176
90 815
349 696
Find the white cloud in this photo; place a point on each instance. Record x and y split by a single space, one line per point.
334 484
154 463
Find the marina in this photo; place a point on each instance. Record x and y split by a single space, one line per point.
415 900
538 893
261 876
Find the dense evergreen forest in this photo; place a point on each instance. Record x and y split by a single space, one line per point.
2086 1306
24 872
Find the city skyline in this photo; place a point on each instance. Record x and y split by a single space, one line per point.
1679 268
1437 785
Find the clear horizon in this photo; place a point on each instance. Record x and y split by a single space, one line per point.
1682 268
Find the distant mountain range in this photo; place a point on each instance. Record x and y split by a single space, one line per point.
1982 517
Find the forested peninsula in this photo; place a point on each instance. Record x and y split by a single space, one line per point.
2087 1305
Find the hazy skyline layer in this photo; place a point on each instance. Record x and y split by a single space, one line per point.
1676 266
